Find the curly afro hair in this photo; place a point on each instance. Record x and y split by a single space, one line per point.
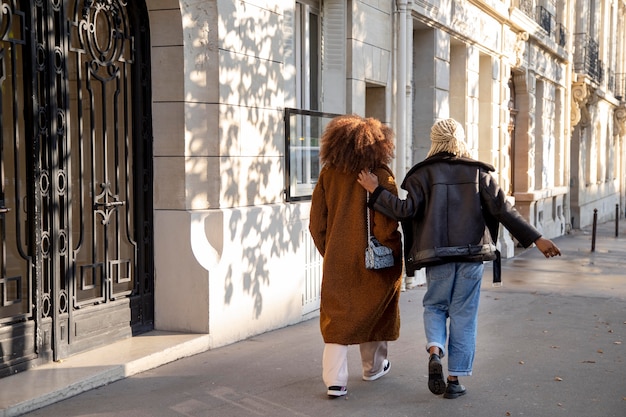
352 143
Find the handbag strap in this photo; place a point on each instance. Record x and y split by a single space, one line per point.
367 212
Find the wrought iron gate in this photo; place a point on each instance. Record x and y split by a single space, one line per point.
76 169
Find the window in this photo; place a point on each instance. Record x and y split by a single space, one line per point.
304 125
303 129
307 54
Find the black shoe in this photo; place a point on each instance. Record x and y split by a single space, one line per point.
454 390
336 391
436 384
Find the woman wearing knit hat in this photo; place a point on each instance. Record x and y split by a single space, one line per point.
358 305
450 220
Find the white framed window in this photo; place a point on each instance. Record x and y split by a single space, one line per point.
307 54
304 124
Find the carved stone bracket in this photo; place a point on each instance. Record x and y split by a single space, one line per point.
620 120
580 98
520 47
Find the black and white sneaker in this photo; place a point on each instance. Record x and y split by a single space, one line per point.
384 371
336 391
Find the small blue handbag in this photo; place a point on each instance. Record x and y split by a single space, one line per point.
377 256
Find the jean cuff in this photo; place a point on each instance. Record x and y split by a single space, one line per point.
459 373
442 350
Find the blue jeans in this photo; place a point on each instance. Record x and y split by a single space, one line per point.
453 292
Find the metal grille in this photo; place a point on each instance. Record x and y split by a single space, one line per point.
527 7
586 61
610 83
561 35
620 85
312 274
546 20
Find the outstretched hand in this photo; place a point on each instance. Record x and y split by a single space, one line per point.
368 180
547 247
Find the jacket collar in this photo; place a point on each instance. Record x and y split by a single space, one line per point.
447 158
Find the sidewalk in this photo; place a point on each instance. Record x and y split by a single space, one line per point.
551 342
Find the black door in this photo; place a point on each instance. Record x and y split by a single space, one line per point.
77 224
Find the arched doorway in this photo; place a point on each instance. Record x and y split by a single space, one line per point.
76 267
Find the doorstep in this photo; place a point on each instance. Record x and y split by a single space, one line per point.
52 382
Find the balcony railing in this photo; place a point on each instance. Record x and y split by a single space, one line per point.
527 7
561 35
544 18
586 57
620 86
610 81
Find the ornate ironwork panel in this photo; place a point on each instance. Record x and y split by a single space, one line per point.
527 7
16 182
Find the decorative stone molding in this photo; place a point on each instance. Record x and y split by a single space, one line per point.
620 120
520 48
580 99
434 10
473 23
521 86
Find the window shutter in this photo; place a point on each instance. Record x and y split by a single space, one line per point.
334 24
289 35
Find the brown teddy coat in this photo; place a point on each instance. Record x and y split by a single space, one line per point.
357 305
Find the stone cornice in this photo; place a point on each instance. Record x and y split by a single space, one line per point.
540 194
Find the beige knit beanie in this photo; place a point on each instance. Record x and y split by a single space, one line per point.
447 135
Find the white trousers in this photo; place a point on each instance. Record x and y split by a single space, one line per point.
335 361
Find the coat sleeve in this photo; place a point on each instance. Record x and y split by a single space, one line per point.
496 206
385 228
388 203
318 217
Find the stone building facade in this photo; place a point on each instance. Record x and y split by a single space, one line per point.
598 117
505 69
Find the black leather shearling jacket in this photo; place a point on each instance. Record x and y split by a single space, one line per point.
452 212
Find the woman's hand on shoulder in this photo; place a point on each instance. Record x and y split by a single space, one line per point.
368 180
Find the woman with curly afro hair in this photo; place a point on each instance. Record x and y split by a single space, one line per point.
358 305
